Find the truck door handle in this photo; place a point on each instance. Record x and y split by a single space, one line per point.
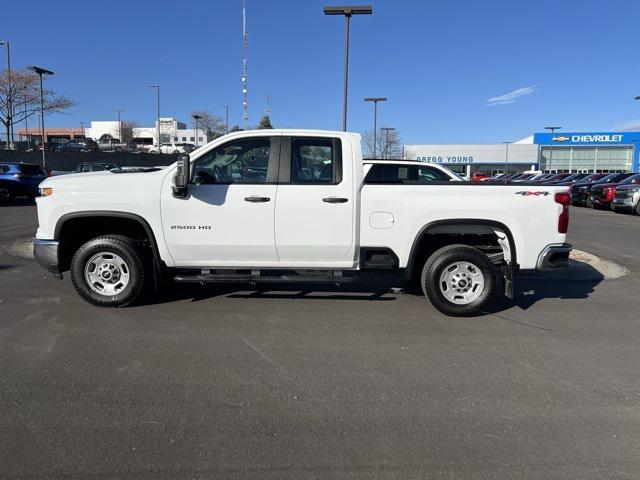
335 200
257 199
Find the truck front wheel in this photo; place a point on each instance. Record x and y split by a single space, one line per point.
459 280
108 271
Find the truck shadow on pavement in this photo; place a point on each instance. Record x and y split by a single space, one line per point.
577 282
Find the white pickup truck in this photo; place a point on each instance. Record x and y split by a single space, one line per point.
296 206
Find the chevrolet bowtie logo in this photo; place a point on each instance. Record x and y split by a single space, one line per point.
560 139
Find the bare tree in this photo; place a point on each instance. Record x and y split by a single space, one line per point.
126 131
213 125
388 144
23 95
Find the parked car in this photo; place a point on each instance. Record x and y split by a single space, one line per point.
581 191
114 145
20 180
570 180
540 177
78 145
626 197
94 167
602 193
235 212
175 148
555 178
479 177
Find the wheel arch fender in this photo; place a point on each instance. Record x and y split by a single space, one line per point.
102 214
500 230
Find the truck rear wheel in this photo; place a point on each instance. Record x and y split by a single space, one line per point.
459 280
108 271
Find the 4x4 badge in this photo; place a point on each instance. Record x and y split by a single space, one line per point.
528 193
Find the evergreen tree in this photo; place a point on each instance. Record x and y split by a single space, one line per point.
265 123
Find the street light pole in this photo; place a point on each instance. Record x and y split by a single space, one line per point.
375 101
226 118
119 126
506 155
196 118
386 143
82 129
157 87
40 72
347 11
9 97
552 129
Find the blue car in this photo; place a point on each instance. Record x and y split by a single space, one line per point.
20 180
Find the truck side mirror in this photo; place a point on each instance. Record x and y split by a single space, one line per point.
182 177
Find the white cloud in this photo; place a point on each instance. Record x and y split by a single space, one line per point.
630 126
511 96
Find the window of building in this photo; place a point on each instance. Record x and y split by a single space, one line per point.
200 139
175 139
240 161
192 139
314 160
184 139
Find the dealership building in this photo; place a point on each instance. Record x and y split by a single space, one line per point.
549 152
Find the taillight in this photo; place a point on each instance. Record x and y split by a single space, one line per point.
607 193
563 198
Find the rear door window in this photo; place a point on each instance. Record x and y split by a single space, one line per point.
315 161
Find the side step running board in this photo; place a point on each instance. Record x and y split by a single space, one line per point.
221 278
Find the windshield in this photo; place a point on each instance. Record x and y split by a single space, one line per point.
631 179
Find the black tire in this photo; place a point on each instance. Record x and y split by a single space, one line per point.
589 203
5 194
121 246
445 257
637 209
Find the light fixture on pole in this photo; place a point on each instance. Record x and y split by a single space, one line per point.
506 155
551 129
82 129
375 101
157 87
9 97
40 72
196 118
386 143
347 11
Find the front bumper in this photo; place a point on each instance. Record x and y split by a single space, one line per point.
46 253
554 257
623 202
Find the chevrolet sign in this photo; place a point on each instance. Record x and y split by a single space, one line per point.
560 139
596 138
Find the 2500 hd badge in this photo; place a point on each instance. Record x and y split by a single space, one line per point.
190 227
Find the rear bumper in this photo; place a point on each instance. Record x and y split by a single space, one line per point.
46 253
554 257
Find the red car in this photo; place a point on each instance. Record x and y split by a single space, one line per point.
602 193
479 177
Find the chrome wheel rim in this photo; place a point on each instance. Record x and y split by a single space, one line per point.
5 194
107 273
461 283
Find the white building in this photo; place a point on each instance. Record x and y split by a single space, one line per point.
171 131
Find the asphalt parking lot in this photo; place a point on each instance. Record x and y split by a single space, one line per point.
361 383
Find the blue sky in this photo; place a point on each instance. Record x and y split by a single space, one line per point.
454 71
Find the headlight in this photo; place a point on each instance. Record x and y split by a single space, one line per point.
45 192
